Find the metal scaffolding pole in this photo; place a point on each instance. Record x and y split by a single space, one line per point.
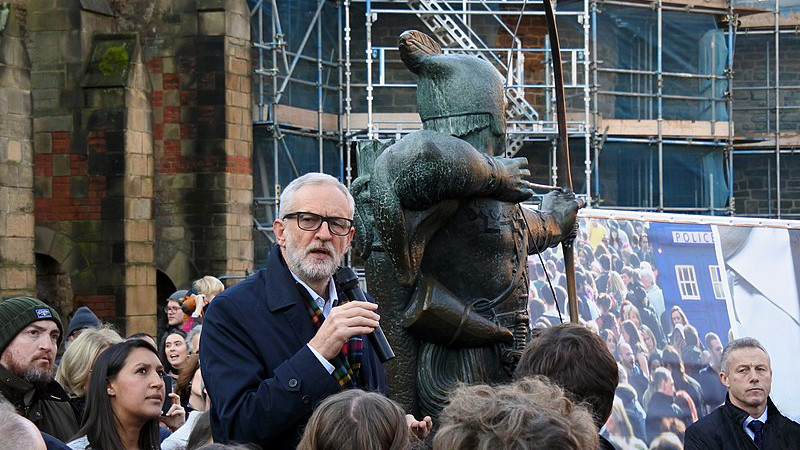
587 133
348 108
732 20
660 119
777 108
319 92
370 118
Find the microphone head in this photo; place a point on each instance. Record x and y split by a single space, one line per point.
345 278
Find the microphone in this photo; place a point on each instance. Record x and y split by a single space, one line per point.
347 282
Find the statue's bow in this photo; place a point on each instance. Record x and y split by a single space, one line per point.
563 156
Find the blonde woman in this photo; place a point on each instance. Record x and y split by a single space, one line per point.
620 430
76 364
205 289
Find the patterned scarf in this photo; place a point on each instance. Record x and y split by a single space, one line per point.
347 364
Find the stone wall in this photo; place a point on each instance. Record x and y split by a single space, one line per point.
755 182
17 268
126 145
755 176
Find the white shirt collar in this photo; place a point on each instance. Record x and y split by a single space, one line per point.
762 418
324 305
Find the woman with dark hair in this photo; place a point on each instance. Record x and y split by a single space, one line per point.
357 420
671 360
123 403
174 354
631 335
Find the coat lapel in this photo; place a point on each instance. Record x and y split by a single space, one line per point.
284 300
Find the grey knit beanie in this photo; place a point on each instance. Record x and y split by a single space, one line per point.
16 313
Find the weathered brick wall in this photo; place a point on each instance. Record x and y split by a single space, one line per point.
71 190
755 176
754 66
197 57
17 269
755 182
160 156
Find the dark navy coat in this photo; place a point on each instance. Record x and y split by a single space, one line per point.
723 429
262 378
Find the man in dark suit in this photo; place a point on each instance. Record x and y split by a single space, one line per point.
748 419
662 403
277 344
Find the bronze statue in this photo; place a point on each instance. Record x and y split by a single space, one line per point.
444 240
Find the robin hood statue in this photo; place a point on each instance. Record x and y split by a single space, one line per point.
444 239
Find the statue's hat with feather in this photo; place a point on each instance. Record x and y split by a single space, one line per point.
456 94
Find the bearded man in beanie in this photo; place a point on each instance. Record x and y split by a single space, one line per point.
30 332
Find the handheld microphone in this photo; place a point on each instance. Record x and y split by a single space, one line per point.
347 282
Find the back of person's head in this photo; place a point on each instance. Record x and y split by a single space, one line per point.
200 436
709 338
18 432
530 414
671 359
605 262
357 420
184 385
547 295
666 441
208 285
604 302
691 336
660 375
675 426
215 446
621 423
535 309
76 363
577 360
634 339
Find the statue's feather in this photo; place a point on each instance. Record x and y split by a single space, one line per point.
415 46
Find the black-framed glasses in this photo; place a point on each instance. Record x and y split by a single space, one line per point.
307 221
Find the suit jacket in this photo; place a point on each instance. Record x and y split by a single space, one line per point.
262 378
661 406
723 429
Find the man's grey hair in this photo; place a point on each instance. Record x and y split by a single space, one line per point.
311 178
190 336
16 433
745 342
646 274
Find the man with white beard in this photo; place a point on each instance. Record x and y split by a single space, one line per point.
29 338
277 344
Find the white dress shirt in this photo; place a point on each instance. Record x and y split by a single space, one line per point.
325 306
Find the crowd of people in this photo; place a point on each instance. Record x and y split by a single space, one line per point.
669 374
241 368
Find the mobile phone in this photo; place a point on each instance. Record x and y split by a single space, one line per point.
169 387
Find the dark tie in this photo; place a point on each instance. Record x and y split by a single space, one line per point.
757 427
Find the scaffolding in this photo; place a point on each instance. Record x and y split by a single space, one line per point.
766 101
649 87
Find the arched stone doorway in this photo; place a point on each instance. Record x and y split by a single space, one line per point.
53 286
